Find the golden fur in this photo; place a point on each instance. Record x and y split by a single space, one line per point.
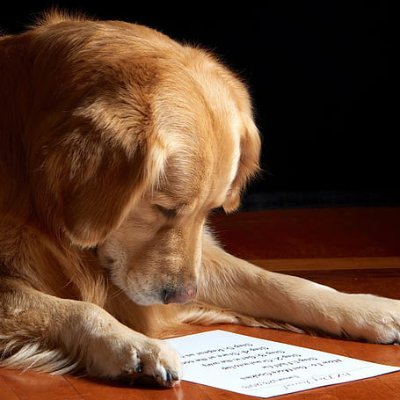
115 143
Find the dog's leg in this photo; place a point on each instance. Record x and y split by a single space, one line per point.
229 282
57 335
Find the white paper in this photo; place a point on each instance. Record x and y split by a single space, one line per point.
264 368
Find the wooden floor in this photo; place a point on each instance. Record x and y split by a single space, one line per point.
355 250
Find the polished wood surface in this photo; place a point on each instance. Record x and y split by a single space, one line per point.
311 233
294 238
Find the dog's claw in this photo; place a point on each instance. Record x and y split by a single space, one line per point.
139 368
171 378
168 376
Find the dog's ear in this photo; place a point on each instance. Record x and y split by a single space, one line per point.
97 169
250 147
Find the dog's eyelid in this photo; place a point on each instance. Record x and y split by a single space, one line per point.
167 212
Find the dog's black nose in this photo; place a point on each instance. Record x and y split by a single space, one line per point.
179 296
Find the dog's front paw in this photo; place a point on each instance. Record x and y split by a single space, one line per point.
133 357
372 318
160 361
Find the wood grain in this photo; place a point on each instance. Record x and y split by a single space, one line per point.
311 233
326 264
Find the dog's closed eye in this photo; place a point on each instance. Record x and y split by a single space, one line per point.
167 212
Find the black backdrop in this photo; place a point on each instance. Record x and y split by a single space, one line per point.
320 76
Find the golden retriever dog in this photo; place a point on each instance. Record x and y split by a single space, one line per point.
115 143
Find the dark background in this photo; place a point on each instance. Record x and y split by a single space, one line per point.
320 76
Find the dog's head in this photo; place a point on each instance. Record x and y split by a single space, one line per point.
146 137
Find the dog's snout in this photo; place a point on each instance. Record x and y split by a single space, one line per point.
179 296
